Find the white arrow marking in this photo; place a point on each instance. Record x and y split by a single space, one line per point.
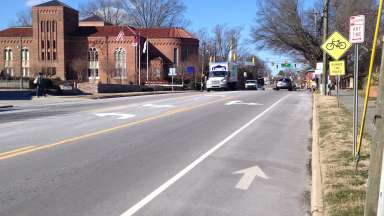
158 106
249 175
242 103
121 115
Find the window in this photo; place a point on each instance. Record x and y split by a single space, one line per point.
54 56
42 56
8 57
54 44
48 26
53 26
48 56
25 54
185 53
93 63
120 60
48 44
175 56
42 44
25 61
42 26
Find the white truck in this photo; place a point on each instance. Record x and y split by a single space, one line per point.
222 75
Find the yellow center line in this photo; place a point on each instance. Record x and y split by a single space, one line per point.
29 149
16 150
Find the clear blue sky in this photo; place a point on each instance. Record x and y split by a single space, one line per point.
201 13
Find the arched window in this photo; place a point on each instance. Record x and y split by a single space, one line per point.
8 57
120 60
93 63
25 61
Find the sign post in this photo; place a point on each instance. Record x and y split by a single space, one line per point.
356 36
336 46
172 73
337 68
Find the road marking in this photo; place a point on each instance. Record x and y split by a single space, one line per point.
132 210
18 150
239 102
104 131
122 116
249 175
158 105
108 109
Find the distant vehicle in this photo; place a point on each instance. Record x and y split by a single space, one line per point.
284 83
222 75
260 84
251 84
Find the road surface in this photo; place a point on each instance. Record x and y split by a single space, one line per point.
219 153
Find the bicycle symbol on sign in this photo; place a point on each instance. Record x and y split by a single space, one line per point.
336 43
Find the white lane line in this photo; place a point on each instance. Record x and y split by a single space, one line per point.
120 116
183 172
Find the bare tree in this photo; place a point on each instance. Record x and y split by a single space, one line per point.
283 26
279 26
155 13
111 11
79 68
23 18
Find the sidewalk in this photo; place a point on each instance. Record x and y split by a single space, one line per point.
347 99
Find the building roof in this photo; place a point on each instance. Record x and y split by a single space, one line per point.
17 32
53 3
93 18
102 31
165 33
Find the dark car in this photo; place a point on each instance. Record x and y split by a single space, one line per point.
284 83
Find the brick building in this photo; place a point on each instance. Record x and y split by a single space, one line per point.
61 46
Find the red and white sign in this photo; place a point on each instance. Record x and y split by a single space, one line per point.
357 29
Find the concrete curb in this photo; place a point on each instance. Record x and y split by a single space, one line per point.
317 204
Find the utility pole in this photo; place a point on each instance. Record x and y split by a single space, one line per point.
325 35
377 147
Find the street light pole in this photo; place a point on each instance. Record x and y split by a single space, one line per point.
325 35
21 62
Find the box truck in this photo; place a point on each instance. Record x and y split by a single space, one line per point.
222 75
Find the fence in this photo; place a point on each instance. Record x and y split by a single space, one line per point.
15 83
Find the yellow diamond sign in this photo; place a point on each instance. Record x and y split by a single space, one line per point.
336 45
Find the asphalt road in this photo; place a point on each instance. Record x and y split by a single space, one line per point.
220 153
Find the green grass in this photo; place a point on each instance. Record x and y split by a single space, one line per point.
344 187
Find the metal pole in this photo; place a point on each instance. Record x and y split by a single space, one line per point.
380 208
21 62
338 91
147 60
139 54
202 70
172 82
325 35
356 99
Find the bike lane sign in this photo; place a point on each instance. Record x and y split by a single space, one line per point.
336 45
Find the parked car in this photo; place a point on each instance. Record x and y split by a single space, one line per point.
251 84
284 83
